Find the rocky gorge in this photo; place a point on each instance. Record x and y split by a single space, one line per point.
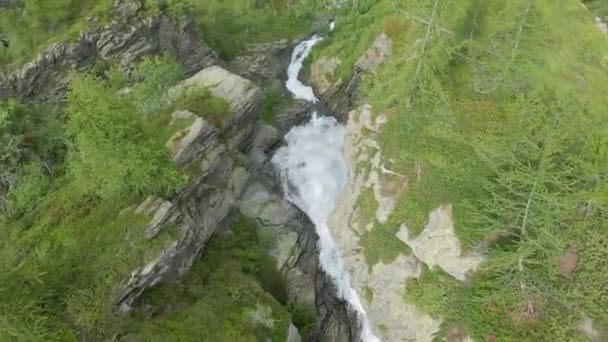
324 186
230 163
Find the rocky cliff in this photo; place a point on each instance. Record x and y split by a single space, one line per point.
130 36
227 182
227 160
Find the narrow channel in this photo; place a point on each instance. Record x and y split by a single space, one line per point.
314 173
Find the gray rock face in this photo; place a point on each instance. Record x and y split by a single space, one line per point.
196 212
227 181
245 100
296 252
340 95
293 335
202 207
126 39
294 115
264 62
263 142
295 246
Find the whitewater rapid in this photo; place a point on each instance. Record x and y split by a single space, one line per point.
314 173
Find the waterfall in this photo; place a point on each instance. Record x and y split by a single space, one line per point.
293 84
314 173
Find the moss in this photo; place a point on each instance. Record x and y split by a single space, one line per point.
366 207
274 101
200 102
368 294
380 244
223 297
303 317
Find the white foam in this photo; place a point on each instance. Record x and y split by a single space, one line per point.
293 84
314 173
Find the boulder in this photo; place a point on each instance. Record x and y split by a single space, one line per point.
244 98
264 140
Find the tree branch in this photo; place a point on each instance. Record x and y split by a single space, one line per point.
503 74
425 43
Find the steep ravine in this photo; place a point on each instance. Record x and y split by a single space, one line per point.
314 173
228 162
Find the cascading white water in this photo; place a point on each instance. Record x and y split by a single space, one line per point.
314 173
293 84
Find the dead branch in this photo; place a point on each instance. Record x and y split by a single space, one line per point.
525 221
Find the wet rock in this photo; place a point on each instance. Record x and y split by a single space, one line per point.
336 321
293 335
264 62
292 116
295 239
266 137
295 250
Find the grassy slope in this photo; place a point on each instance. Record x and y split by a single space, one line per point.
33 24
505 117
228 26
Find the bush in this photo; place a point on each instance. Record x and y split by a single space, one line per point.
111 154
221 298
153 77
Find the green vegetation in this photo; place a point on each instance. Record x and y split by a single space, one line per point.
30 25
200 102
229 25
598 7
234 293
72 171
379 243
274 102
499 107
126 160
303 317
368 294
68 181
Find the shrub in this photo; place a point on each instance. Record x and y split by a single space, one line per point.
111 154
